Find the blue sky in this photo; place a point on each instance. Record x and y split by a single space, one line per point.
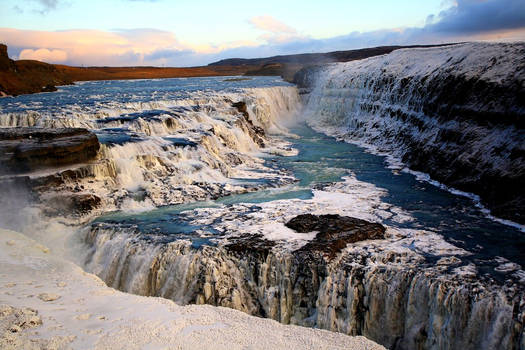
194 32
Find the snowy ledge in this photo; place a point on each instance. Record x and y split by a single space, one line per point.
79 311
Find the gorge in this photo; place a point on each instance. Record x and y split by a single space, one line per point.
199 181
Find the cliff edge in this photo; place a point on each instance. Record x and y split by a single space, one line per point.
26 77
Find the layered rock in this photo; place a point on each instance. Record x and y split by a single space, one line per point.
458 117
28 149
404 288
393 298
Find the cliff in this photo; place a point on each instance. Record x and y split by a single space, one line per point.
25 77
458 116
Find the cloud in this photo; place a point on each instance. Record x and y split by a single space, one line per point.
270 24
48 4
45 55
40 6
463 20
90 47
472 16
276 31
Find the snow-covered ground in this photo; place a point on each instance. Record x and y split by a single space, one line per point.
77 310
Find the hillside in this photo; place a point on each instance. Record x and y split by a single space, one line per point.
287 65
26 77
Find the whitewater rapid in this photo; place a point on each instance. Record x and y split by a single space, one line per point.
414 289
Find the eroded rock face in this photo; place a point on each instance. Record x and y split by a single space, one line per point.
393 298
335 232
76 203
458 118
27 149
256 133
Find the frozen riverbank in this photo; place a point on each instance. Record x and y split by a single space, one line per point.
77 310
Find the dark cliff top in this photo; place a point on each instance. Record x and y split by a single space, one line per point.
317 58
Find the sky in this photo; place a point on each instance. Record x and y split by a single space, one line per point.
197 32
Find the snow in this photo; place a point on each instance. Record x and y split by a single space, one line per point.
79 309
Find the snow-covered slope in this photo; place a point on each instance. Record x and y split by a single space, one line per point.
50 303
454 112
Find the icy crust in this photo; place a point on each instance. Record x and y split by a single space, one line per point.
412 289
168 152
85 314
453 112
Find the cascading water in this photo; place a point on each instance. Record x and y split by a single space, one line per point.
430 283
158 152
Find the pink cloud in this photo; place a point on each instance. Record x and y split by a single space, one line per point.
270 24
90 46
44 55
276 31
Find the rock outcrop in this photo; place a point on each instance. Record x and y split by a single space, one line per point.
335 232
28 149
26 77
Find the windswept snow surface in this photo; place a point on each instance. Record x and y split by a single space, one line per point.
79 311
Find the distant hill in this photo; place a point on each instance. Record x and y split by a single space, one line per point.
287 65
25 76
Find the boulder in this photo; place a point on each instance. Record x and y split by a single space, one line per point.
28 149
334 232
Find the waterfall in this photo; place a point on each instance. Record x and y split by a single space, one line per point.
383 296
454 112
160 152
386 290
428 108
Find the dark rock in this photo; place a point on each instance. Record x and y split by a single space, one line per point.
255 132
241 107
335 232
249 243
27 149
49 88
76 203
84 203
6 64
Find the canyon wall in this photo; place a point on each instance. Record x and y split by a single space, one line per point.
454 112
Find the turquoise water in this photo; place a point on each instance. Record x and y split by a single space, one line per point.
324 159
321 159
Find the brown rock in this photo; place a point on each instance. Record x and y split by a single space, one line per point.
335 232
27 149
77 203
